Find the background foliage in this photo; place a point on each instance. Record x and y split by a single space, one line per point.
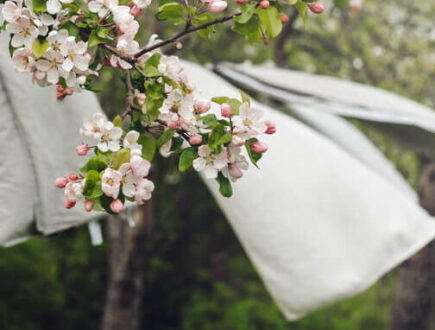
197 276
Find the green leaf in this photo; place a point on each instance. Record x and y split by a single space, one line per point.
96 163
103 33
210 121
105 156
117 121
39 6
83 6
292 2
253 156
235 105
94 39
270 21
72 29
120 157
302 8
186 159
151 66
245 98
251 30
152 108
247 12
105 203
177 143
154 89
219 137
201 19
39 47
171 11
165 137
220 100
224 185
92 178
148 146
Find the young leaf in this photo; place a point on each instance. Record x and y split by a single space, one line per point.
247 12
186 159
154 89
120 157
92 178
95 39
235 105
39 47
302 8
270 21
172 11
39 6
220 100
117 121
245 98
224 186
96 163
165 137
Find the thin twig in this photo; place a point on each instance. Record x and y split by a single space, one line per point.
186 31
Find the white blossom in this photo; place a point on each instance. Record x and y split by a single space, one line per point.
23 59
24 32
209 163
111 182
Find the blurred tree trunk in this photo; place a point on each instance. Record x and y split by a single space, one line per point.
414 300
286 33
126 260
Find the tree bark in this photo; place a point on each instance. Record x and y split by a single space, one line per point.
414 301
126 260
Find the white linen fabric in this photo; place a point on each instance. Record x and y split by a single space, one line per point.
39 135
318 224
410 123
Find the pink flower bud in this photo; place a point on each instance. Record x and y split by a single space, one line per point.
316 7
141 98
259 147
73 177
195 139
135 11
271 129
266 41
201 105
60 95
69 204
61 182
235 171
240 2
82 149
226 110
59 88
284 18
116 206
264 4
217 6
89 205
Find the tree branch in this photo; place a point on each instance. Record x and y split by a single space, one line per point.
181 34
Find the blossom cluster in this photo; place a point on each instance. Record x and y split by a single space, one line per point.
67 42
117 171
